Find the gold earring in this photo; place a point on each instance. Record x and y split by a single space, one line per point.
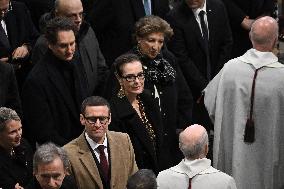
121 93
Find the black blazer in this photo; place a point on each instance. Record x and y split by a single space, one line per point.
50 110
188 46
20 29
237 11
9 96
17 169
125 119
113 22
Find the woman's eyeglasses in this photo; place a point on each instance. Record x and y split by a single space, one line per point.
132 78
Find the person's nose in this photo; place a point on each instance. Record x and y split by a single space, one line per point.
52 182
70 49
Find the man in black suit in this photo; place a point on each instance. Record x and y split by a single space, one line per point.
113 22
242 14
87 51
202 44
17 36
54 89
9 96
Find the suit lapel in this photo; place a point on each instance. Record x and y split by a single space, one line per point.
114 157
138 7
192 25
12 29
4 42
87 160
59 83
210 19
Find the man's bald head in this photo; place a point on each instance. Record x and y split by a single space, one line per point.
264 33
193 142
72 9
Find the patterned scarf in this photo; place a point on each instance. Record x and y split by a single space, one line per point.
158 70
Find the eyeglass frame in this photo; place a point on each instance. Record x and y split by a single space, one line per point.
131 78
103 122
10 8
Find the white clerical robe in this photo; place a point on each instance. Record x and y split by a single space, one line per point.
257 165
203 176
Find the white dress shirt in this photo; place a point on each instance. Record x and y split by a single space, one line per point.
196 14
95 145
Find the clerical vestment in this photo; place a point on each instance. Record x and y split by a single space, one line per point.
257 165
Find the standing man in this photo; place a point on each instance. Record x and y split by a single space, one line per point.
17 37
242 14
245 101
114 20
202 44
88 53
51 169
194 171
100 159
55 88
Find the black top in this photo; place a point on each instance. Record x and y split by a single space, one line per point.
17 168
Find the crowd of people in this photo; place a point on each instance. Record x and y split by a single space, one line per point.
110 94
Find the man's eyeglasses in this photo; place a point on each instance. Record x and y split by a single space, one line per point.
93 119
5 11
131 78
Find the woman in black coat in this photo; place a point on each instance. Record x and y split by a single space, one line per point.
15 153
163 80
135 113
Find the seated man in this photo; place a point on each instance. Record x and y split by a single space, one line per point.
142 179
195 170
100 159
51 169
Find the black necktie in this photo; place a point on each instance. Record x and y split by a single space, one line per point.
203 25
206 42
103 161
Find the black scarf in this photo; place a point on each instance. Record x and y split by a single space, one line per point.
158 70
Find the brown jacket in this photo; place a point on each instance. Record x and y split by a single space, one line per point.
84 167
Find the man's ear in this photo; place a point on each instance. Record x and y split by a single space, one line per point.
206 149
109 121
82 119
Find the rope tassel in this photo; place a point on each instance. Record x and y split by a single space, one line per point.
249 135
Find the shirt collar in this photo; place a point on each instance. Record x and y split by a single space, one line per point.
268 59
93 144
197 11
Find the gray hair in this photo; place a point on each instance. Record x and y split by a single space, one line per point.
194 150
6 115
264 31
142 179
48 152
